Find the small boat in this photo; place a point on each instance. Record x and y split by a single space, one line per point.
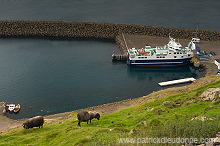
17 108
13 107
10 107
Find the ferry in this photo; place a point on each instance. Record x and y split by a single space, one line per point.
171 54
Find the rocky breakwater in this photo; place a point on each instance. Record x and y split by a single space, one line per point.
70 29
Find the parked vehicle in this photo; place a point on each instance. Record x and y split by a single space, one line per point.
195 40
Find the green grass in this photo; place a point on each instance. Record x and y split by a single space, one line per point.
161 121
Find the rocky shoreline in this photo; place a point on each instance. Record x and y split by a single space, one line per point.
210 68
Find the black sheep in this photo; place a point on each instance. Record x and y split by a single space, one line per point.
85 116
37 121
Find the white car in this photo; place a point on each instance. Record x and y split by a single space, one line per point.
195 40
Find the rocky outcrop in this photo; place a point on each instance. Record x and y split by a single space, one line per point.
201 118
2 108
211 94
210 68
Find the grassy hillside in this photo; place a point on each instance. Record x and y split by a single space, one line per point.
149 119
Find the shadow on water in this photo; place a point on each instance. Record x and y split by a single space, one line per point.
170 73
161 74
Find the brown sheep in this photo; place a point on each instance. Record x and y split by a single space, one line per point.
37 121
85 116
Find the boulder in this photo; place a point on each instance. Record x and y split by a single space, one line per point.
217 141
190 101
149 110
211 94
201 118
134 131
168 103
143 123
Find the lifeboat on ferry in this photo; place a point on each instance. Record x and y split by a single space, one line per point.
144 52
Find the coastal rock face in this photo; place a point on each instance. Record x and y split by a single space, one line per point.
210 68
212 94
2 108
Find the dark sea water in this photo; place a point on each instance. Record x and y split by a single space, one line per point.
49 76
204 14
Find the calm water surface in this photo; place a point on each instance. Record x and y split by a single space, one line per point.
53 76
204 14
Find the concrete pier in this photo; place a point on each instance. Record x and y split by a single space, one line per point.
176 81
119 57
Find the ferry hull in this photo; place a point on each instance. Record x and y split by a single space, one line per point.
159 62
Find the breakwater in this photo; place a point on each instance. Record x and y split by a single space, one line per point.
68 29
